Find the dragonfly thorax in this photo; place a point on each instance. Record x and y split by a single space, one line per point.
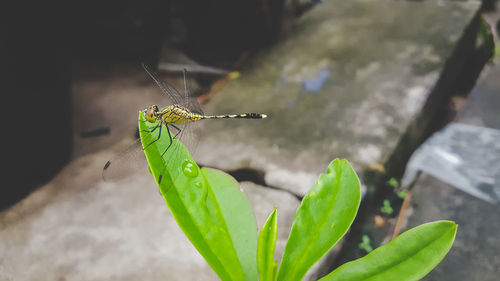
176 114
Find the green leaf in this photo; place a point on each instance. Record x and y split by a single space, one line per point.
239 218
325 215
266 247
275 271
207 205
408 257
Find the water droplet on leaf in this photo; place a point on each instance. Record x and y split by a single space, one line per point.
198 184
190 169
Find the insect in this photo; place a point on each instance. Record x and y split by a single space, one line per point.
184 109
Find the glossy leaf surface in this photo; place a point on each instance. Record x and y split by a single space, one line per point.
324 216
207 205
266 247
408 257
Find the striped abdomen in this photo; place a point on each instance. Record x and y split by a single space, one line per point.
243 115
176 114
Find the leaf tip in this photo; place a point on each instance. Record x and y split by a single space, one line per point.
450 224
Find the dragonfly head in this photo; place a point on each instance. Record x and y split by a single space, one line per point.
151 113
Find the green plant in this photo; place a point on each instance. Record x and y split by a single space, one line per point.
217 219
365 244
487 42
392 182
401 194
387 208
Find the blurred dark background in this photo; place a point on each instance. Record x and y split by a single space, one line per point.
41 42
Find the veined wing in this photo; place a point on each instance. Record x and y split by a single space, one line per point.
185 99
190 102
171 92
132 159
125 163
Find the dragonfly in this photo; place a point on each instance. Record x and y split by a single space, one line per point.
184 109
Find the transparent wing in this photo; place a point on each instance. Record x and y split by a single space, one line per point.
126 163
186 99
132 159
190 136
190 101
171 92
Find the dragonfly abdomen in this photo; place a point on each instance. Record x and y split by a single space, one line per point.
243 115
176 114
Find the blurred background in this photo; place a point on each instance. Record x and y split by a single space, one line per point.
63 43
407 91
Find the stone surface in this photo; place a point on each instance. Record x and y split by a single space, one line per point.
80 228
482 105
111 97
347 81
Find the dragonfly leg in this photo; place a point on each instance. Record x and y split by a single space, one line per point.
178 130
152 130
171 141
159 135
